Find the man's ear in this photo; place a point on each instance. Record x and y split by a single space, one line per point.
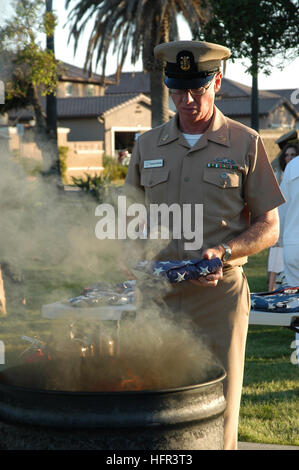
218 81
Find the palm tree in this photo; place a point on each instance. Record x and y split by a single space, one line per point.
30 71
263 30
141 24
51 99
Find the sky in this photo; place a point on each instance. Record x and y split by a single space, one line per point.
287 78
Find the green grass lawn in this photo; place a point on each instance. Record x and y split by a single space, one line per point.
270 401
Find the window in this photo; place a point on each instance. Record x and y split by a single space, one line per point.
90 90
68 89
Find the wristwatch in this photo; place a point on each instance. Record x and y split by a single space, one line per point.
227 252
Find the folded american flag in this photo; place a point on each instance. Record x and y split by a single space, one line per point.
178 271
284 300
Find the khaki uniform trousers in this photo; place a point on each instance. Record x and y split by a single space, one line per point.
220 316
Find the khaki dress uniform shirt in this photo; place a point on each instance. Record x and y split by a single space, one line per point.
246 185
185 178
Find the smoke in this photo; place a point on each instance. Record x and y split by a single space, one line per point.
165 354
44 229
154 353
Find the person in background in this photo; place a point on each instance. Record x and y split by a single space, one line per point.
276 277
289 226
290 150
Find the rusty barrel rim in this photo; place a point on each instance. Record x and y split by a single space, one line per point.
17 388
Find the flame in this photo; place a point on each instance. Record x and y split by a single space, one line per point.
133 382
111 348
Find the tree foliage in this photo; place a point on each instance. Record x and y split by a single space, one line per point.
139 24
263 27
30 70
258 30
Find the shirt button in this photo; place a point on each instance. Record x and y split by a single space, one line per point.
223 223
224 175
186 179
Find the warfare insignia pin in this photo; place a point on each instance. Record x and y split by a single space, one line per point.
225 160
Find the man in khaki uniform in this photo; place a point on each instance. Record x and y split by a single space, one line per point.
202 157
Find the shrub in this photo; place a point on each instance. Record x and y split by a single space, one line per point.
96 186
113 169
63 151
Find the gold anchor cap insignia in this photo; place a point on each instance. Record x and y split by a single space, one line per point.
185 63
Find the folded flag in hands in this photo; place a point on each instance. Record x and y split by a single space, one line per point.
178 271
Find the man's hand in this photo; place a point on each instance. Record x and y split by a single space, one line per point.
262 234
211 280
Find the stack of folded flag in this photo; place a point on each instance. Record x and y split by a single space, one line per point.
178 271
284 300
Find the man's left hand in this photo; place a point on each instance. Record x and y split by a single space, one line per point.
211 280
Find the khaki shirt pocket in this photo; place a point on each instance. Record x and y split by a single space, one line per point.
223 192
222 178
155 184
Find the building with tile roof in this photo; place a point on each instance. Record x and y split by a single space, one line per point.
234 100
76 82
290 94
112 120
106 116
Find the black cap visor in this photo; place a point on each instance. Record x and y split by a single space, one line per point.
187 83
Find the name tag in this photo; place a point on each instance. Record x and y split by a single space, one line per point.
153 163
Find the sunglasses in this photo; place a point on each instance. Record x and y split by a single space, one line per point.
194 91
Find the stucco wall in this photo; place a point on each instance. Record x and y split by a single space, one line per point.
78 90
280 117
84 157
136 115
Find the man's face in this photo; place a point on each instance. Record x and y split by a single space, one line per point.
193 108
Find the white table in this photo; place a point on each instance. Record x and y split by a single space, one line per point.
60 310
103 344
290 320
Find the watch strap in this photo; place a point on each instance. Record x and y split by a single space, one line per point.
227 252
